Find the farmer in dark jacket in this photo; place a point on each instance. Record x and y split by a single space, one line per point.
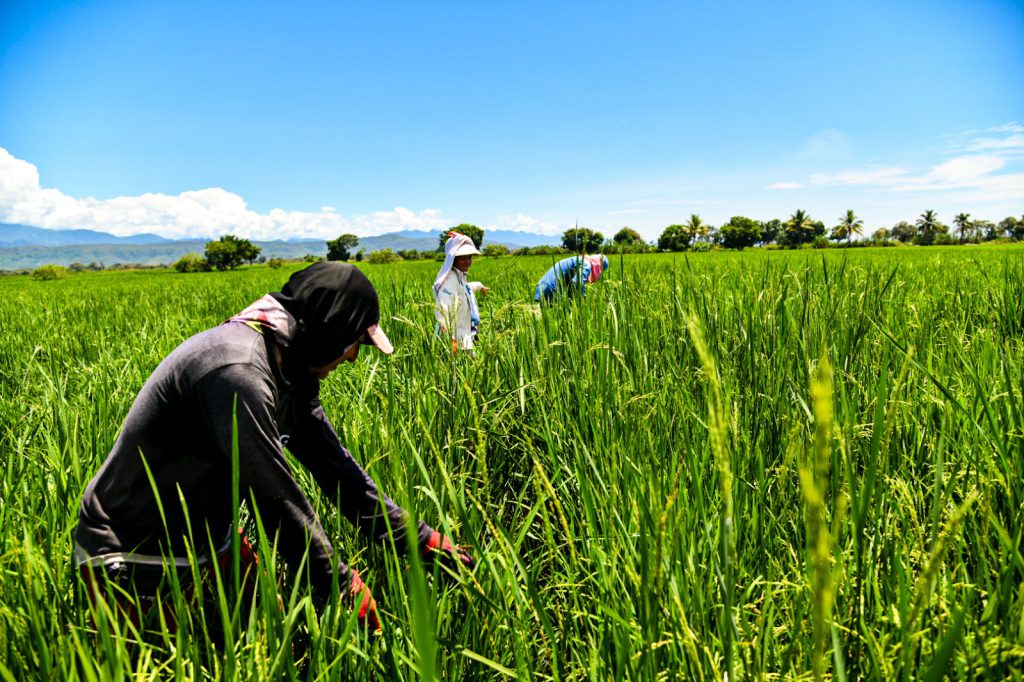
262 371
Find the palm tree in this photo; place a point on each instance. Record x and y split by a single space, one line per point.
963 225
849 225
927 225
799 228
697 228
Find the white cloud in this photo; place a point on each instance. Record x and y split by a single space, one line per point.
826 145
786 185
1006 139
525 223
1012 127
195 214
983 171
871 176
964 169
1011 142
976 174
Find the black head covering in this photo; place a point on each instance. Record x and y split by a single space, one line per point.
333 304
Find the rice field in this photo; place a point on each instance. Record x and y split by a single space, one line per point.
758 465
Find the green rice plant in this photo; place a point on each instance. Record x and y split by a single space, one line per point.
717 431
590 453
814 486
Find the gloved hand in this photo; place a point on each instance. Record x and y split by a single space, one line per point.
441 549
363 601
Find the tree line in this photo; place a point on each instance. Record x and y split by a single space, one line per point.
801 229
740 232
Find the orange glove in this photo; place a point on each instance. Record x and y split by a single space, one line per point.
440 548
363 600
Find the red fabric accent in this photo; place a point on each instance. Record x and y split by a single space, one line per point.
358 590
246 558
133 612
438 542
440 548
124 608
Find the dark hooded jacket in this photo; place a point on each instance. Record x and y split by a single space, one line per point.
179 431
333 304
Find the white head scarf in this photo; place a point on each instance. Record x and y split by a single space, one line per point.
457 245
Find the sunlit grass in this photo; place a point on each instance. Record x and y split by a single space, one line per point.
761 464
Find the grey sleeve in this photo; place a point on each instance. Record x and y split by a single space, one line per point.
238 392
315 444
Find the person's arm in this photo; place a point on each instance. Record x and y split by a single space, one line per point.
583 276
569 276
238 393
317 447
356 495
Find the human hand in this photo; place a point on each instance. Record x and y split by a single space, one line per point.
362 600
440 548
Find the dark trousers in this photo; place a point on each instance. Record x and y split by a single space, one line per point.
140 594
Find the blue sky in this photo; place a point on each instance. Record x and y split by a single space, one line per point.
312 119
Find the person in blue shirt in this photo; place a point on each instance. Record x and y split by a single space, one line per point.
570 276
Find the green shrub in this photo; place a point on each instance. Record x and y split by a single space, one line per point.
413 254
548 250
383 257
49 272
638 247
192 262
495 250
275 263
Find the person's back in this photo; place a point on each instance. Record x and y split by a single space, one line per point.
176 428
556 279
570 276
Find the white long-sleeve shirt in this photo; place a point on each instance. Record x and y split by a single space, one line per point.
455 301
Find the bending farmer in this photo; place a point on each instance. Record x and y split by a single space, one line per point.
458 316
262 369
570 276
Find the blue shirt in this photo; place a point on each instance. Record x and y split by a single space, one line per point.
568 275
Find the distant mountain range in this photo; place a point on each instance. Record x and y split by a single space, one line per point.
25 235
509 238
24 247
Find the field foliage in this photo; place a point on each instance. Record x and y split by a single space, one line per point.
758 464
